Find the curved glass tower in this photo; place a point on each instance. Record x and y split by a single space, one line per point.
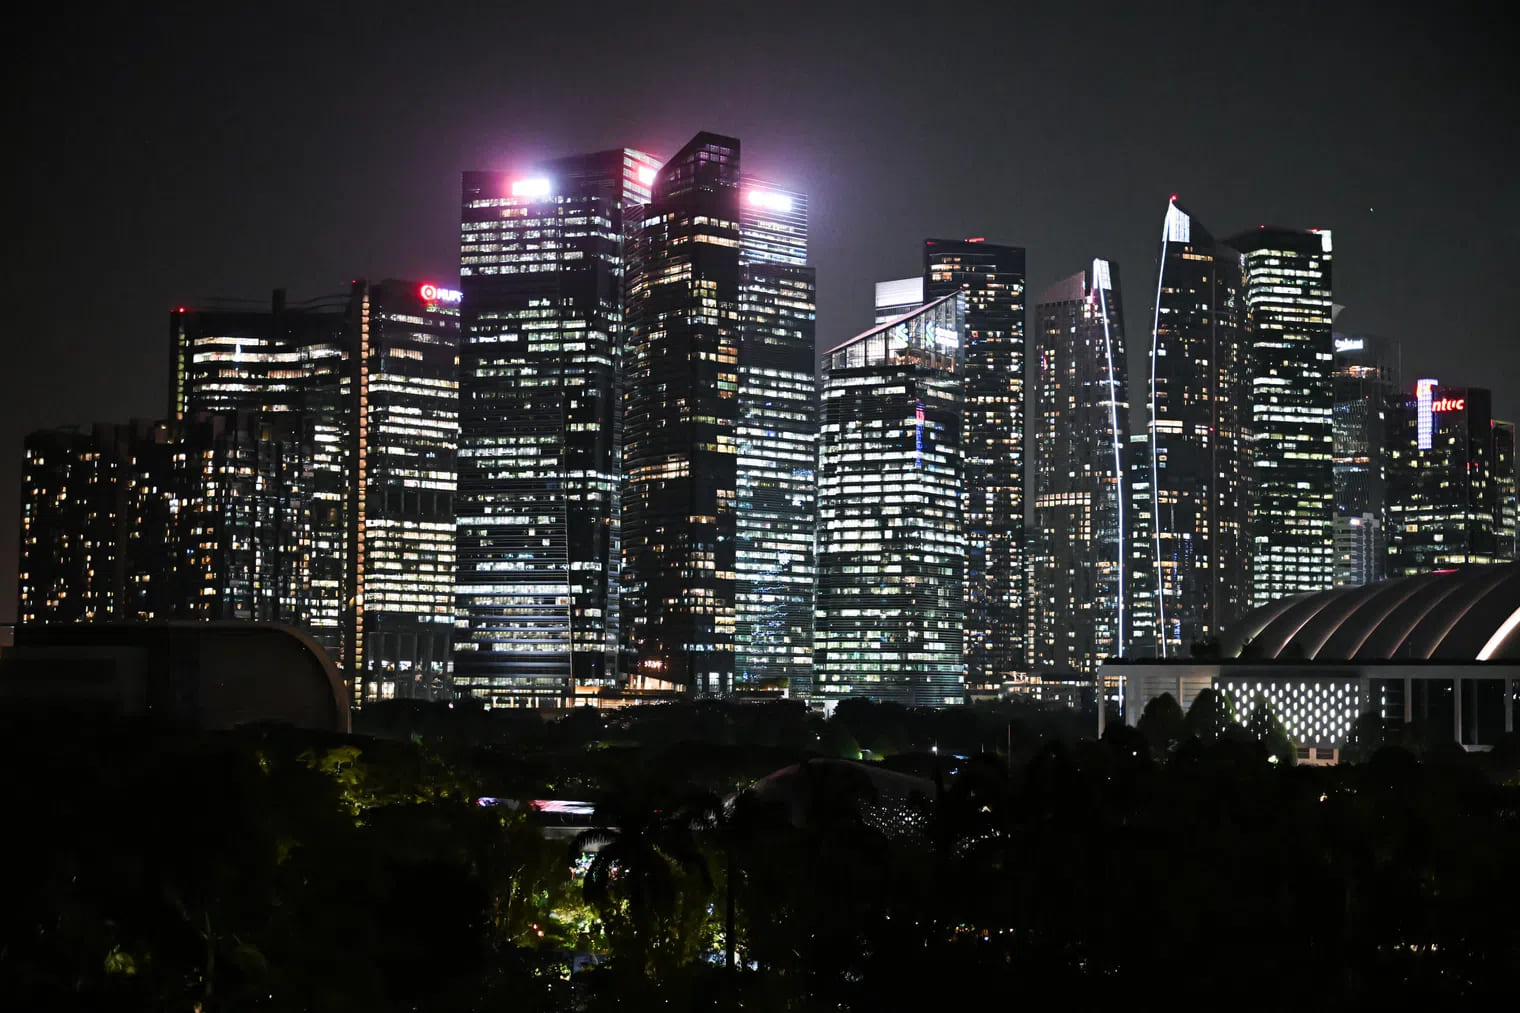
1197 569
892 546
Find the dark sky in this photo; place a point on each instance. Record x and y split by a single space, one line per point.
158 159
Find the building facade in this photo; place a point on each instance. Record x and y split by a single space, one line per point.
406 458
1080 435
776 489
542 275
892 546
898 296
1197 569
1451 480
1360 552
680 424
200 518
1366 374
297 365
992 278
1287 306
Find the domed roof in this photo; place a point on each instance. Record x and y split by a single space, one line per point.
1469 613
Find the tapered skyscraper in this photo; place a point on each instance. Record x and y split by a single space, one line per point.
542 257
1080 435
992 277
681 423
1291 483
1197 567
891 543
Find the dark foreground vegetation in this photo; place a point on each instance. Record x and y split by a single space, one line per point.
1176 865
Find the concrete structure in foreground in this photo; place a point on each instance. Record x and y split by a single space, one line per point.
208 675
1433 652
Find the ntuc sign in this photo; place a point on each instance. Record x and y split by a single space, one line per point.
1449 404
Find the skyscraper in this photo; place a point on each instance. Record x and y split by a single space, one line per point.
775 475
680 423
200 518
891 541
1451 480
1080 435
542 272
1197 569
298 364
992 276
1366 374
1291 487
409 419
361 386
899 296
73 525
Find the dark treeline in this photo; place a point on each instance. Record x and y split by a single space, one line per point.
1188 862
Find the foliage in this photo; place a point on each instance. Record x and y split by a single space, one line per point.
1162 724
278 870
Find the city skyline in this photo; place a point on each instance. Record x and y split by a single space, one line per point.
303 221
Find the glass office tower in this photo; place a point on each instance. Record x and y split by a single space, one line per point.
542 271
891 542
992 277
297 364
1291 489
1451 480
1198 568
775 479
409 418
1080 434
680 424
1365 375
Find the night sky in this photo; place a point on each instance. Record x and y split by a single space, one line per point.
158 160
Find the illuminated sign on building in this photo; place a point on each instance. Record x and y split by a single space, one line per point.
646 174
536 187
1449 404
1423 419
1349 344
770 199
432 293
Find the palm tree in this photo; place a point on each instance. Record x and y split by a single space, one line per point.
643 856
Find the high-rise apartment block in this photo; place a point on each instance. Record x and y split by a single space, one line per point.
892 544
1079 435
992 278
201 518
1197 569
1287 309
1451 480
